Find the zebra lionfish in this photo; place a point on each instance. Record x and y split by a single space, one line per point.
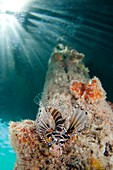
55 130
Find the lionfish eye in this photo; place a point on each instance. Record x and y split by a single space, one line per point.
49 144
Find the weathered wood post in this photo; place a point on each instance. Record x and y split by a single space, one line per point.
74 125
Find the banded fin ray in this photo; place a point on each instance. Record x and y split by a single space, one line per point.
76 120
59 121
42 120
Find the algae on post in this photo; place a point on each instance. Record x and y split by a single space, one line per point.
74 125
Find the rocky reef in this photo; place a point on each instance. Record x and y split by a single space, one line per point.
74 125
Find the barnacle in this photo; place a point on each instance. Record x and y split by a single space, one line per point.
57 57
91 91
75 57
62 53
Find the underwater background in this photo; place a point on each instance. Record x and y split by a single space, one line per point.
27 38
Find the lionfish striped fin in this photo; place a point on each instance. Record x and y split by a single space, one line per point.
57 116
77 120
42 120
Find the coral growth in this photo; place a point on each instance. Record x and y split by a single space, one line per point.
91 91
63 53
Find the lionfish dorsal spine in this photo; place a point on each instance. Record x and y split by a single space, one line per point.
59 121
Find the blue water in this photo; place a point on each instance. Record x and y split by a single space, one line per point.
26 42
7 155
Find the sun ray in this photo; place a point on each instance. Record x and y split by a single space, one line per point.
12 5
14 37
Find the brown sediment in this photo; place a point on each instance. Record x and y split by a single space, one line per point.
68 86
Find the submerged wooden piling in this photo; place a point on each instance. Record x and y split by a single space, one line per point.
74 125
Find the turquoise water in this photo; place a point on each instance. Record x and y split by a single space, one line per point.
7 155
26 42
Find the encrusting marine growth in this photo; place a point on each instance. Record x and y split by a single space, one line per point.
91 92
74 125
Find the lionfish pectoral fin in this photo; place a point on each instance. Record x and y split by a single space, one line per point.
42 125
77 120
42 120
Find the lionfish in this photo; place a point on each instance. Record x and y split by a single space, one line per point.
54 130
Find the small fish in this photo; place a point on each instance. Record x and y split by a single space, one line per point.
54 130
